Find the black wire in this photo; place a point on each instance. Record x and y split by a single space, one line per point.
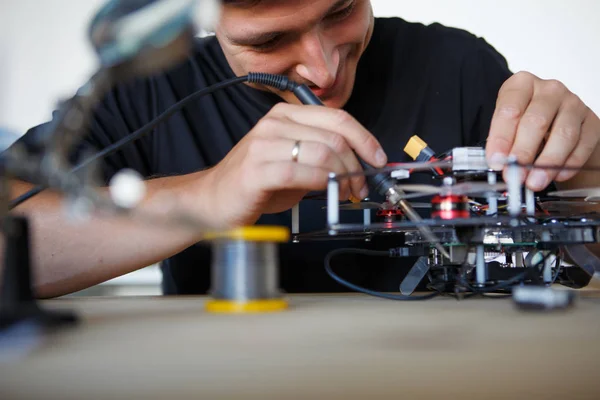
558 267
136 134
26 196
454 295
360 289
152 124
506 285
503 285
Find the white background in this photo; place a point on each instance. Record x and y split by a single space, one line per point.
44 55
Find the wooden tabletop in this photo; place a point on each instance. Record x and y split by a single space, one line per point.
332 346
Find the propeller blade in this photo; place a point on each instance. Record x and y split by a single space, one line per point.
566 205
411 187
370 205
476 188
465 188
420 205
587 193
367 205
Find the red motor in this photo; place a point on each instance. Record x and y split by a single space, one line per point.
450 207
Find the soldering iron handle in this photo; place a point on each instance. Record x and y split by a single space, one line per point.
381 183
306 96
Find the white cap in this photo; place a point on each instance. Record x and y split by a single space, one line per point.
400 174
127 188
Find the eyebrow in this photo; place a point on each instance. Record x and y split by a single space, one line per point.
263 37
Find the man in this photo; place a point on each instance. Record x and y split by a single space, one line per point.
383 81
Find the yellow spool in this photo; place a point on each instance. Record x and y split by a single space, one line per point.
243 307
258 233
245 270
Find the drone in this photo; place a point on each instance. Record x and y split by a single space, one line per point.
481 237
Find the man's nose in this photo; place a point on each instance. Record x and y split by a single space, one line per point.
320 60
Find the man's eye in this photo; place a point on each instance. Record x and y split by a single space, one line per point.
269 44
342 14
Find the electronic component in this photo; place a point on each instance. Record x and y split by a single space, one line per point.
400 174
542 298
450 206
469 159
418 150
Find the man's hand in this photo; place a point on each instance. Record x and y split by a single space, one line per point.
259 175
542 123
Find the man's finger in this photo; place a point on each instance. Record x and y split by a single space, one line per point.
311 153
590 136
338 145
288 175
340 122
513 99
563 139
283 128
533 128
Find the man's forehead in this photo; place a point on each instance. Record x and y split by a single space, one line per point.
279 9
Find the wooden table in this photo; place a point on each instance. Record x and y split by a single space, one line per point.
335 346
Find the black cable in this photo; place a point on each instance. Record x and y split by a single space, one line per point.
506 285
558 266
280 82
360 289
136 134
152 124
26 196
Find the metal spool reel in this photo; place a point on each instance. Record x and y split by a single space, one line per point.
245 270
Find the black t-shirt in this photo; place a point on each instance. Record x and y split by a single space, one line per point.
437 82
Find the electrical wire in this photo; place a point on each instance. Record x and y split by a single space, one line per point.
26 196
361 289
137 134
162 117
506 285
558 266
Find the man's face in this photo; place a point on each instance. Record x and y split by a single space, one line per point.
316 42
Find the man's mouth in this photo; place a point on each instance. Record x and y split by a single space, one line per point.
323 93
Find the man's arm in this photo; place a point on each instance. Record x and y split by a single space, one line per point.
258 176
70 256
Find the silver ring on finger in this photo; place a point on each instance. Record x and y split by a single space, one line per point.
296 151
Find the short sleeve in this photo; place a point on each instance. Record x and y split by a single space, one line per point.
483 72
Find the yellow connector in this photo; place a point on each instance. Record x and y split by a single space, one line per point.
354 199
414 147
